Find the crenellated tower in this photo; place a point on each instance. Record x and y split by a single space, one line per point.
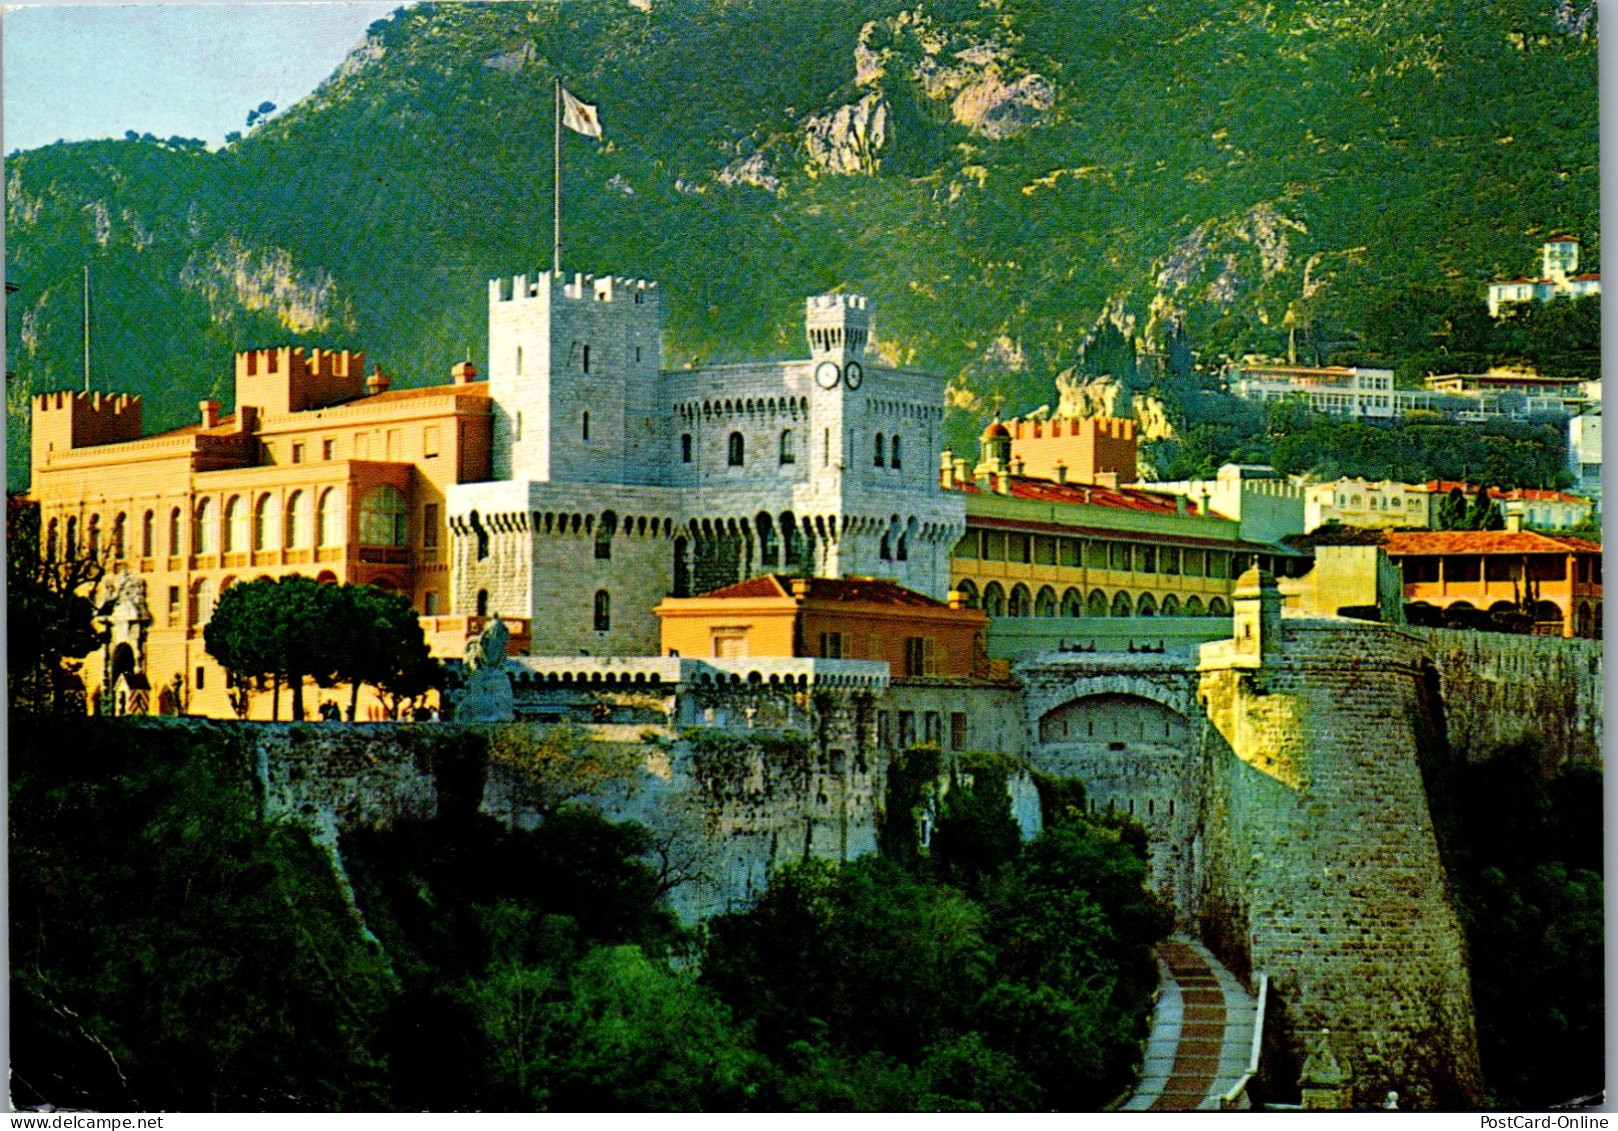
573 365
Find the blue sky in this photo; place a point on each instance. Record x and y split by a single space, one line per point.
95 70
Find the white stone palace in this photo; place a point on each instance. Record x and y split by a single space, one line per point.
617 482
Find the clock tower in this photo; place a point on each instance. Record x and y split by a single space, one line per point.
838 327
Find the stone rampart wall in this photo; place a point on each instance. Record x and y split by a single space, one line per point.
1499 688
1318 862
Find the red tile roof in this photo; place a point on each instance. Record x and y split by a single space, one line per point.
1085 494
1484 542
857 590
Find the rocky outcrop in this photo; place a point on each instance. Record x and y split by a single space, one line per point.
993 107
978 75
849 139
753 171
233 277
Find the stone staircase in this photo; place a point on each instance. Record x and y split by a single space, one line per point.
1202 1033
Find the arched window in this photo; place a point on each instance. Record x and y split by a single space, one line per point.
1045 602
267 523
1072 604
1218 608
297 520
50 541
174 532
994 599
1193 606
885 549
968 592
605 529
1121 606
483 602
94 538
1096 604
384 517
72 541
737 449
881 450
788 453
603 613
904 547
235 525
148 534
893 454
204 531
329 518
1020 604
1146 606
118 537
1171 606
201 603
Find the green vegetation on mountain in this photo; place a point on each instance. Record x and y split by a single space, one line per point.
1001 176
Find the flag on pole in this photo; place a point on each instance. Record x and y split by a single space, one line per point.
580 117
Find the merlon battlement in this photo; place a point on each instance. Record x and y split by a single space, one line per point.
578 288
293 379
1110 427
66 420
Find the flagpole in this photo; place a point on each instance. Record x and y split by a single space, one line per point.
556 183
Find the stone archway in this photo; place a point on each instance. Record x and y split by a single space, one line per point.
1131 739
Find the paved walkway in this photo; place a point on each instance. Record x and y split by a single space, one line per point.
1202 1032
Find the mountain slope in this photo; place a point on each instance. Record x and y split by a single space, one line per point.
999 176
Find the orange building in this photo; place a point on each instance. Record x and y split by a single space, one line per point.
1557 579
320 471
829 618
1099 450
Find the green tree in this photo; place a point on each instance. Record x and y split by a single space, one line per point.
380 642
50 612
281 628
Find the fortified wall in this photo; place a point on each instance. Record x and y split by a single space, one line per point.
1278 774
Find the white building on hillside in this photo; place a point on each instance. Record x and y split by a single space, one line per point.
1559 262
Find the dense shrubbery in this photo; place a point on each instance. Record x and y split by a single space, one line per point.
1526 855
172 949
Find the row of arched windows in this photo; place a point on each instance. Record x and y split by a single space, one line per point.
257 525
1022 602
736 449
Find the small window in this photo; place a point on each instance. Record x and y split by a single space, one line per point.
881 448
297 453
429 604
788 454
587 359
603 610
328 449
148 535
429 442
957 730
483 603
831 645
685 448
585 429
429 526
737 449
202 679
893 460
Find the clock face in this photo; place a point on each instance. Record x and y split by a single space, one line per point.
826 374
855 374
